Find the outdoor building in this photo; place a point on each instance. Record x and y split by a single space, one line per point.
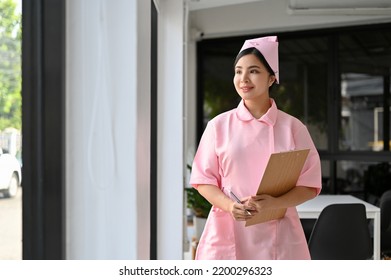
116 94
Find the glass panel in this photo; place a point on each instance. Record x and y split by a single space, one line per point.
303 89
219 92
350 175
325 166
365 59
10 131
361 112
366 179
377 178
378 115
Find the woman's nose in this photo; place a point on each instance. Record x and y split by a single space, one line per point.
244 79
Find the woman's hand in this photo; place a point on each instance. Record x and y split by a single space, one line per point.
241 212
294 197
262 202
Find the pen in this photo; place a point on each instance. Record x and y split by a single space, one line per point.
238 201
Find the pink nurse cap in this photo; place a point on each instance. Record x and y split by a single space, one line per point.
268 46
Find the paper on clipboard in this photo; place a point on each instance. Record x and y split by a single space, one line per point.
281 175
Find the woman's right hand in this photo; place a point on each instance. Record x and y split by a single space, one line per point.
219 199
241 212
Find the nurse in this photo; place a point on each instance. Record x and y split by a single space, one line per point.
232 156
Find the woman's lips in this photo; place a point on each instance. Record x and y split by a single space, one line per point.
246 89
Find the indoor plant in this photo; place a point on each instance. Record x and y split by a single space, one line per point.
199 206
197 203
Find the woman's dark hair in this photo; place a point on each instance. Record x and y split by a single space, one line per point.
259 55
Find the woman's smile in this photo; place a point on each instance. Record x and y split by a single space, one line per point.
246 88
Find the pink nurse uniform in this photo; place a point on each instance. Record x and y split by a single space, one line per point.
232 154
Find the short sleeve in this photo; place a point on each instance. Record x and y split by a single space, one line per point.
205 167
311 175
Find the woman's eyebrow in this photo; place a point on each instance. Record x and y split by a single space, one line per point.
252 66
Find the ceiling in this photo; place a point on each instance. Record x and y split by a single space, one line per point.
308 6
207 4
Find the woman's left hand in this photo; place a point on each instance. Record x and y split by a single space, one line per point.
262 202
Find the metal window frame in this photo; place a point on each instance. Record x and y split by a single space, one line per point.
43 129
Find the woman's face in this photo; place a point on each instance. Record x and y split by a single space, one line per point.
251 79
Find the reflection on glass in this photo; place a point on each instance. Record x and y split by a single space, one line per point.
303 89
350 175
366 179
219 93
361 103
325 166
365 63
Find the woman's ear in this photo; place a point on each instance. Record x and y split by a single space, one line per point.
272 79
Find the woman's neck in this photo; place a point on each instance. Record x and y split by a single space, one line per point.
257 108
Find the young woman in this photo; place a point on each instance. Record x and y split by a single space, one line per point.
232 156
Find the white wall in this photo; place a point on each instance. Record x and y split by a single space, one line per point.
190 93
170 129
142 78
107 127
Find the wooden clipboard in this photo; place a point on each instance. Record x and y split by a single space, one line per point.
281 175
